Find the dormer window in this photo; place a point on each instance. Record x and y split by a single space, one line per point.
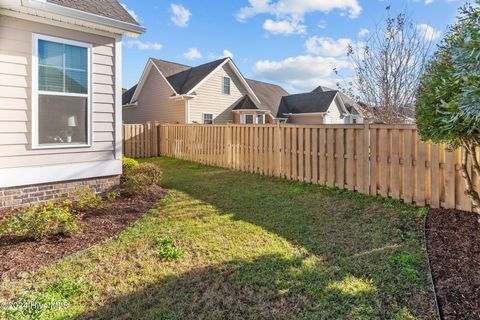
226 86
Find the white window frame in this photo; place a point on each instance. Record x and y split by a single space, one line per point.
203 117
262 115
35 92
229 86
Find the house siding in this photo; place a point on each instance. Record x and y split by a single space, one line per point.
16 97
210 98
154 103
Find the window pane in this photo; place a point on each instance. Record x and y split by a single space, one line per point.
62 67
260 119
50 79
248 118
226 85
62 120
207 118
76 81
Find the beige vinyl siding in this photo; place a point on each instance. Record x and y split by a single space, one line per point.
210 98
154 103
306 119
16 94
334 112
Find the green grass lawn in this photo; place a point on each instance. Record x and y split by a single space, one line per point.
254 247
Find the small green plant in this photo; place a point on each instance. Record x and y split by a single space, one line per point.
128 164
42 220
112 196
87 199
142 177
167 249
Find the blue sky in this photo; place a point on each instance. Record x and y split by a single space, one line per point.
294 43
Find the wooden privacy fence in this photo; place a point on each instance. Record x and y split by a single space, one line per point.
381 160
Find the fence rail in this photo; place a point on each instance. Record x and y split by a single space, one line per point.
380 160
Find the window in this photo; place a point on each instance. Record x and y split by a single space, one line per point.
249 118
61 93
354 120
207 118
226 85
260 119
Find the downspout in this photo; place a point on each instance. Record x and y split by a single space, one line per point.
187 111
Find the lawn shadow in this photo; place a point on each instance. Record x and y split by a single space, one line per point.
269 287
362 236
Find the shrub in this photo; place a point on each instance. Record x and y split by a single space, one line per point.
448 100
42 220
87 199
128 164
142 177
167 250
112 196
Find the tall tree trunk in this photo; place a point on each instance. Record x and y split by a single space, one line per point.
469 190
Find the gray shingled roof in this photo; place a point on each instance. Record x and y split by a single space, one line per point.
245 103
351 105
106 8
127 95
184 78
306 103
269 94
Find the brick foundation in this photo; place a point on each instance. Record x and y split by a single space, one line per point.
23 196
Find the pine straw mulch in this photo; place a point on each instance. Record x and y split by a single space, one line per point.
453 241
18 255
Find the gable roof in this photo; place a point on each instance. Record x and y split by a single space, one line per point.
245 103
183 82
106 8
313 102
351 105
270 95
183 79
128 95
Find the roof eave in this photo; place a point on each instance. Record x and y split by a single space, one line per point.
125 27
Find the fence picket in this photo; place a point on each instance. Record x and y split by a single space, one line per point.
372 159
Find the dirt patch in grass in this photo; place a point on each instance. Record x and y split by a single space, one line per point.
453 240
18 255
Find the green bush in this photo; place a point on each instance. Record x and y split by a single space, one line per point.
142 177
448 99
128 164
167 249
112 196
42 220
87 199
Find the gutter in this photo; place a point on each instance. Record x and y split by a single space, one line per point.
82 15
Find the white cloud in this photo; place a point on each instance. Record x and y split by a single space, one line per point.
284 27
322 24
144 45
429 32
296 9
328 46
363 32
227 53
180 15
301 72
192 54
130 11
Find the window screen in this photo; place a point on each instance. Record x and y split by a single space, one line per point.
63 100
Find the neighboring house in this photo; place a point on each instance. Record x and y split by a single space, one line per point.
60 96
217 92
321 106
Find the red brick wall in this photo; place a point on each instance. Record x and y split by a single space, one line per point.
32 194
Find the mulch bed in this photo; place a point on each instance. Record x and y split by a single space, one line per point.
19 254
453 241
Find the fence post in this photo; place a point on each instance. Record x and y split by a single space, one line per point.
366 157
228 145
277 150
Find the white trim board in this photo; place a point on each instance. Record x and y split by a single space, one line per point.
24 176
